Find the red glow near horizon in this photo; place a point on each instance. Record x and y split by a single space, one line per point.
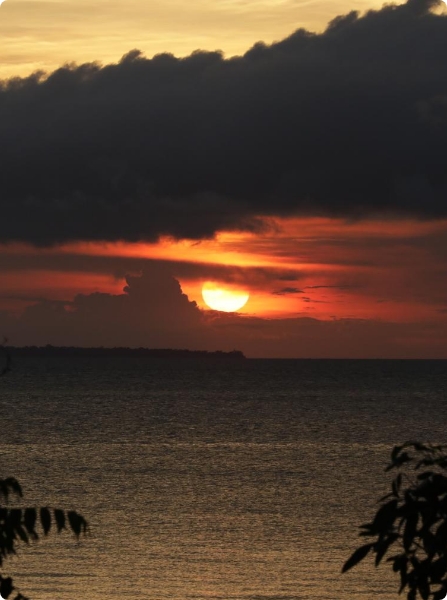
366 269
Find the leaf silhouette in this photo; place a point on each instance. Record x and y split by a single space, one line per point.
59 517
356 557
414 520
45 519
382 547
410 530
385 516
19 525
10 485
6 587
77 523
30 521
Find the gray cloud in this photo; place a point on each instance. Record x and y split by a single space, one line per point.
350 122
152 311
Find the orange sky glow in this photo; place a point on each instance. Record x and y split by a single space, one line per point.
323 268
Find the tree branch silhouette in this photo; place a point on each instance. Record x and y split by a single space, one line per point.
412 521
27 524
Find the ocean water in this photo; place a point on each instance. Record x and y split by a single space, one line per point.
210 479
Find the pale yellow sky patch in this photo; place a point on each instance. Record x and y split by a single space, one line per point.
42 35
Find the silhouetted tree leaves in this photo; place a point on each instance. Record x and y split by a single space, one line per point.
29 519
10 485
59 516
357 556
6 587
413 522
19 524
45 519
77 523
382 547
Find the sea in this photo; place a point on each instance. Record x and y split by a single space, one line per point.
210 479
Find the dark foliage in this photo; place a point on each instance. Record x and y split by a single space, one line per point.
25 524
22 524
411 523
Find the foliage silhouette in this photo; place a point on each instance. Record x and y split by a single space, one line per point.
412 521
19 524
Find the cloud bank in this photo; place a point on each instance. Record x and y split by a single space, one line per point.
349 122
154 312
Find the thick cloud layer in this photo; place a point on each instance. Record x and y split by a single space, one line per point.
351 122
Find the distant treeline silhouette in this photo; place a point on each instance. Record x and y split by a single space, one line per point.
71 351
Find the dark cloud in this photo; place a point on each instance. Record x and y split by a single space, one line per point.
119 267
349 122
287 290
152 311
313 301
336 287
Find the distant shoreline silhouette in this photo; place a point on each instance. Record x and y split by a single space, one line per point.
72 351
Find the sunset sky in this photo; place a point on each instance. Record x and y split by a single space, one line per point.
292 151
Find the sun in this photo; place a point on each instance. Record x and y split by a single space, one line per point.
223 298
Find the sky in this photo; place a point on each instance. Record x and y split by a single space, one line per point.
292 151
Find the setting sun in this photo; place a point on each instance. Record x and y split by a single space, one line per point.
223 298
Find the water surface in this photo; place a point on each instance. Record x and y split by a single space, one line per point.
208 479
